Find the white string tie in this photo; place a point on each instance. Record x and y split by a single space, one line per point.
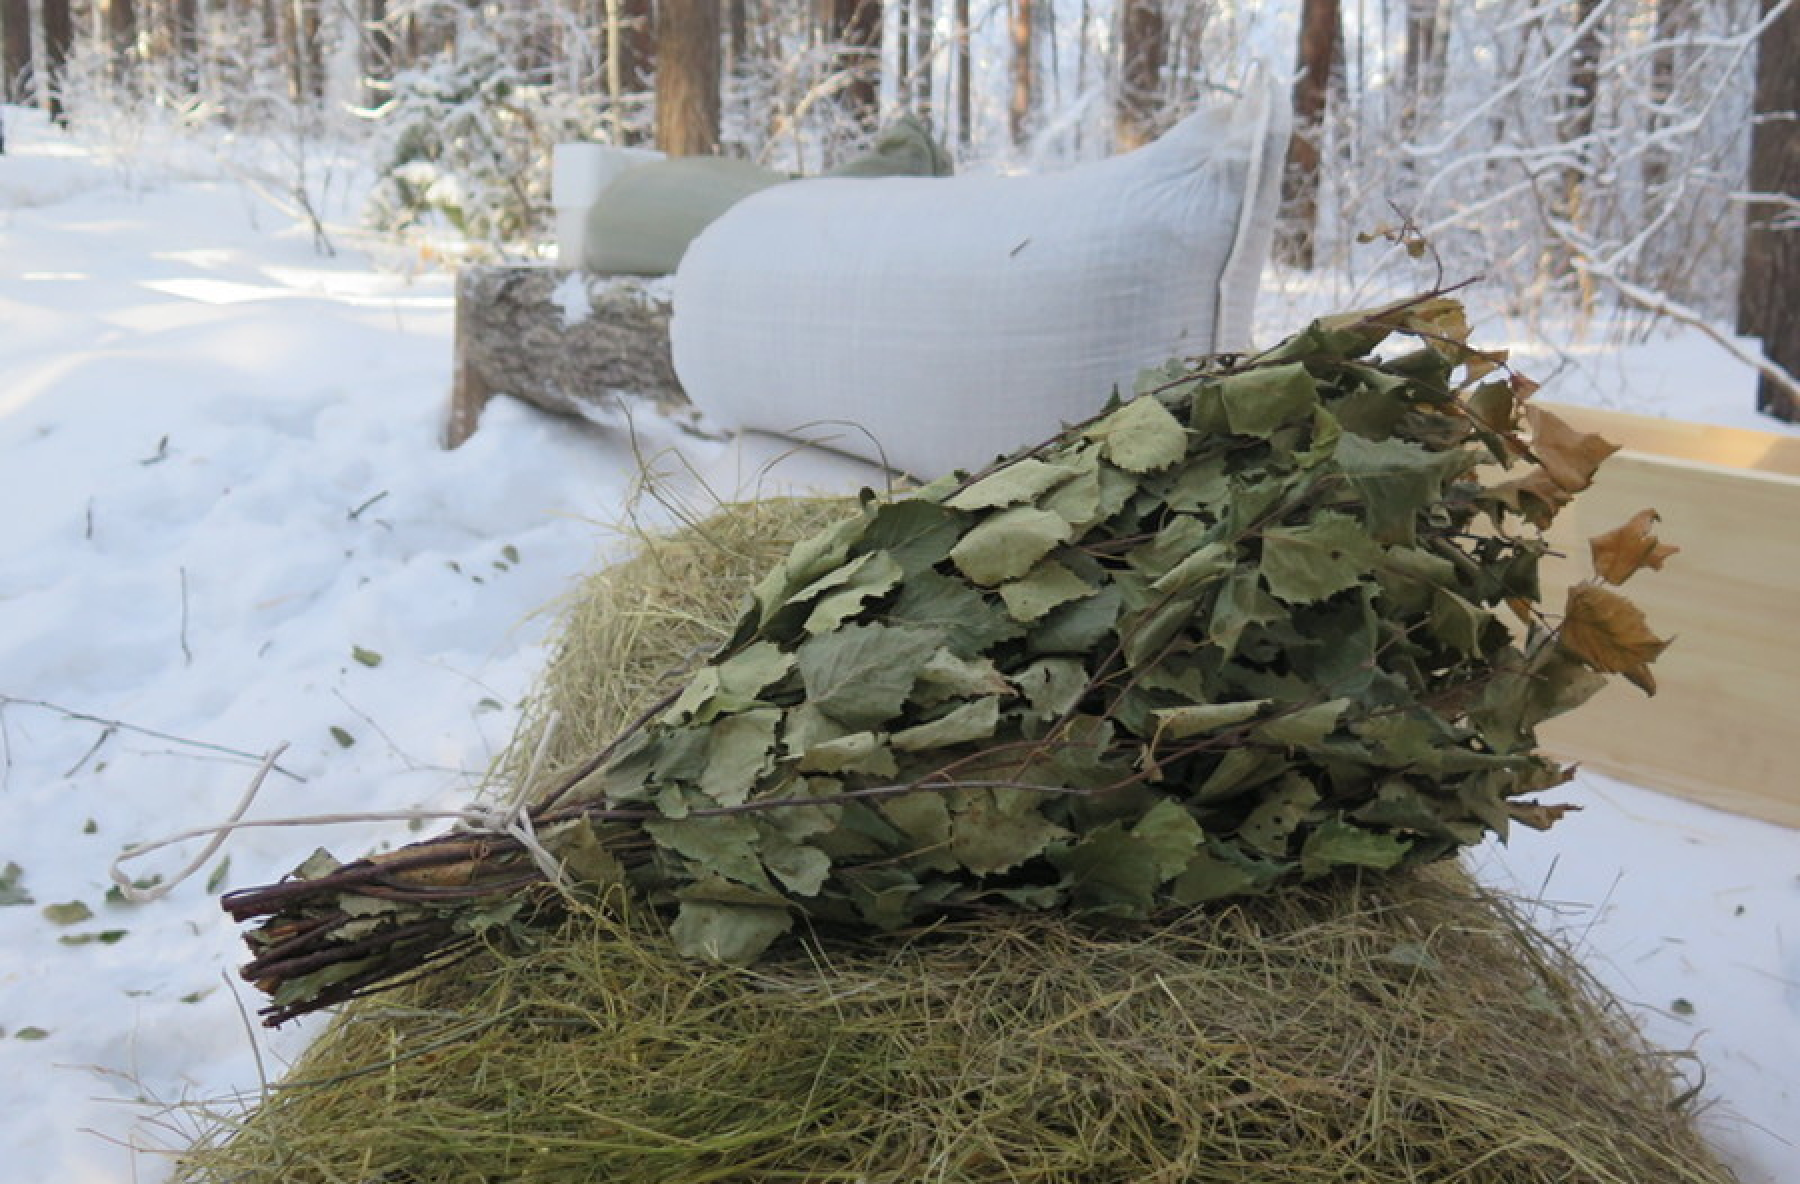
511 817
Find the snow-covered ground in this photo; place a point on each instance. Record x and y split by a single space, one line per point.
225 523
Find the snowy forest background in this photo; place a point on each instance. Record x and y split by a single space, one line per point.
1606 162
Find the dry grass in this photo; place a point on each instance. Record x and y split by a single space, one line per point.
1389 1029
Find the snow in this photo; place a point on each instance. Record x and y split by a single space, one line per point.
220 479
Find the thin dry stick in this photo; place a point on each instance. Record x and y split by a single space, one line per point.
121 725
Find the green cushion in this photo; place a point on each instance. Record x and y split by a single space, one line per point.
642 223
904 148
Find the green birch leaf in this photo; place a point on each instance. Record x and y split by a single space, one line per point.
1335 843
1007 545
1370 412
696 697
72 912
1203 567
1396 479
1201 487
740 749
1047 586
801 868
1308 563
800 823
884 896
1410 578
1175 540
970 623
1259 401
1052 685
861 674
810 559
917 532
1078 501
1397 806
752 670
1327 433
805 726
584 856
1141 436
1457 623
1182 723
1024 480
681 755
1220 872
966 724
495 916
1171 838
1271 826
859 752
1340 335
317 866
730 934
1304 728
12 885
995 830
843 574
877 574
1238 771
924 818
953 677
723 845
1110 871
1079 627
1147 635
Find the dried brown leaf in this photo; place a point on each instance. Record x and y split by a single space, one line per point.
1624 551
1608 633
1538 815
1571 457
1537 496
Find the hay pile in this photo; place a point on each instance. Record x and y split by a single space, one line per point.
1399 1028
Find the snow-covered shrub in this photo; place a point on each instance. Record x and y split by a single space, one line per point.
465 149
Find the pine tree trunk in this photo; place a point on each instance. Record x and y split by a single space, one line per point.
1023 103
377 52
15 50
302 50
1143 49
687 77
1319 21
59 41
637 44
903 49
185 37
737 34
855 27
964 119
924 56
1422 65
118 20
1671 23
1768 306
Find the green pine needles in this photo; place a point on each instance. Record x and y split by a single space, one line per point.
1272 618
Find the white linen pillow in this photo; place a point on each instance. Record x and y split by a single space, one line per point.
956 319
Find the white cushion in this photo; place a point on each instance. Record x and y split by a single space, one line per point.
953 320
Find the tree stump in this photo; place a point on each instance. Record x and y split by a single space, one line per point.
564 341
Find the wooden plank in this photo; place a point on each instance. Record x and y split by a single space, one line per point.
1735 448
1727 710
